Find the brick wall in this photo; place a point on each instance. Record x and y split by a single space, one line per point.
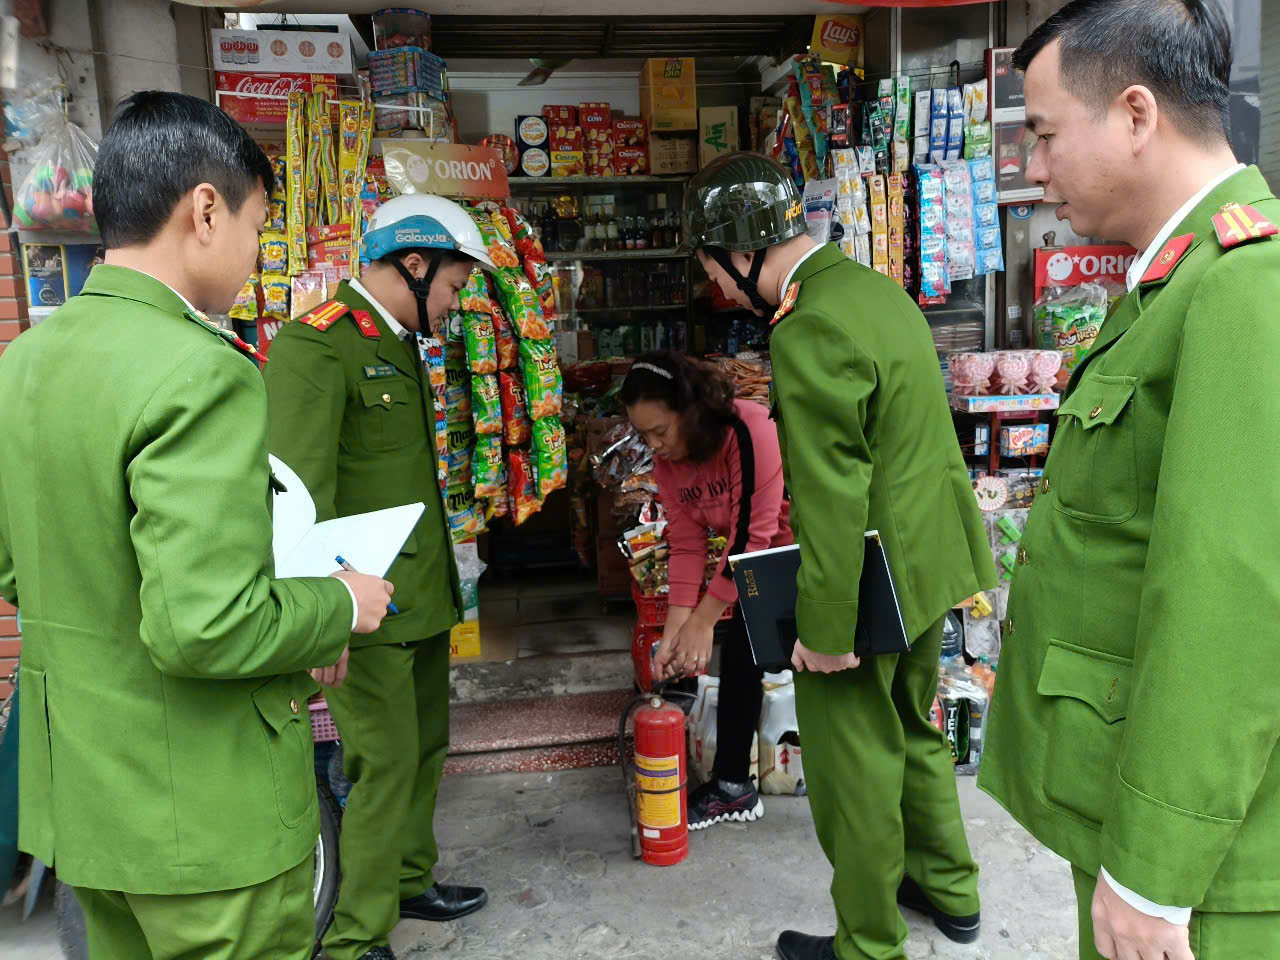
13 320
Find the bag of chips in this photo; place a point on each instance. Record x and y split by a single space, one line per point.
245 306
273 249
432 352
521 303
460 506
502 254
523 491
474 297
539 274
542 381
505 338
275 296
516 425
486 404
482 352
526 241
551 464
488 469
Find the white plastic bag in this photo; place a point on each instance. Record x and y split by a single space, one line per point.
58 192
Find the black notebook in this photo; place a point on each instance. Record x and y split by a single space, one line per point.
767 598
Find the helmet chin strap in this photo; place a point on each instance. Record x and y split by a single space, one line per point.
750 284
420 287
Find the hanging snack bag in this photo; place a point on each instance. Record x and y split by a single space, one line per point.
457 385
474 297
273 249
275 296
526 241
504 337
523 491
516 425
460 505
245 306
486 404
521 303
542 381
502 254
539 274
488 471
551 463
482 351
432 352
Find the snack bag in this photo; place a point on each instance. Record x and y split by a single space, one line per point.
474 297
431 351
488 471
273 249
245 306
486 404
516 425
542 380
460 435
460 506
502 254
457 386
275 296
295 208
521 303
539 274
482 351
521 487
551 464
526 241
504 337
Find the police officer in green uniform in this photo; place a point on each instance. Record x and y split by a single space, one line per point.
352 412
867 443
1134 728
165 750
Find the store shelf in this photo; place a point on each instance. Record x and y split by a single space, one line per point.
554 183
669 253
646 309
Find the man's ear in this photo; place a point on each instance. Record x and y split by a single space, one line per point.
206 207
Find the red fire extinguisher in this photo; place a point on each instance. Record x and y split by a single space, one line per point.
657 783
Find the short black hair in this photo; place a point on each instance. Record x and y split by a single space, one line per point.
1179 49
701 393
160 146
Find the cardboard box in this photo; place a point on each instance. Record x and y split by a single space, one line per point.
282 51
567 163
595 115
669 95
566 138
717 133
672 153
251 98
629 133
631 161
560 115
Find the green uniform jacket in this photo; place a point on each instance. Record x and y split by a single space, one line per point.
868 444
355 419
165 742
1135 721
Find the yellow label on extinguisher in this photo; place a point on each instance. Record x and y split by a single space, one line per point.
658 809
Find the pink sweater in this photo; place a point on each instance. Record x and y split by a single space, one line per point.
698 497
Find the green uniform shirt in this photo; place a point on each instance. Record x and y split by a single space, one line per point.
1135 721
165 745
868 444
355 419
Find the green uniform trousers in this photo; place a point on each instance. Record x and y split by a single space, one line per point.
1214 936
393 716
272 920
883 794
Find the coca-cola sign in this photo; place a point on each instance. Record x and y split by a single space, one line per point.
262 99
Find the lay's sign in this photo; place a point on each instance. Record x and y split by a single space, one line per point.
837 38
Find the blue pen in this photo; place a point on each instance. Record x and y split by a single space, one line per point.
391 607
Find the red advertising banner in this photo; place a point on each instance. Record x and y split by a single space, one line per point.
1071 266
262 99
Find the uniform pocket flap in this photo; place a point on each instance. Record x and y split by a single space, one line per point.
1098 679
1099 400
279 703
384 393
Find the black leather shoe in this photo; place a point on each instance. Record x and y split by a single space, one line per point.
803 946
443 902
379 953
957 929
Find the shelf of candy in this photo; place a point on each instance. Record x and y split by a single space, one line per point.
503 449
1004 381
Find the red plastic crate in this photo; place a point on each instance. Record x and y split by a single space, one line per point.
652 611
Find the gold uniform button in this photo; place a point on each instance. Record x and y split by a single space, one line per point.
1044 485
1008 627
386 398
1093 414
1022 556
293 705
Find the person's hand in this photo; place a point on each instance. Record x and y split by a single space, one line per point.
1122 933
802 658
335 675
687 651
372 596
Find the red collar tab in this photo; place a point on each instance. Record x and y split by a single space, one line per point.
1168 258
366 324
1239 223
325 316
788 302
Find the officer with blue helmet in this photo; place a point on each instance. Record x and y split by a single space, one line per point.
351 411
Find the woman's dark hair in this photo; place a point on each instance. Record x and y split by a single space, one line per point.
700 393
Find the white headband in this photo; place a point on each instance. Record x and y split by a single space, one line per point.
658 370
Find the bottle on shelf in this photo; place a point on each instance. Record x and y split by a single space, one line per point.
549 229
642 233
614 235
589 231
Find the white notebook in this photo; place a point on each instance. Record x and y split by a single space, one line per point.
370 542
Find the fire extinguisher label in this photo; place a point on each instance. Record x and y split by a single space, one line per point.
657 809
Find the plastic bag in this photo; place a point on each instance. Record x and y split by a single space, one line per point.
29 117
58 192
1068 319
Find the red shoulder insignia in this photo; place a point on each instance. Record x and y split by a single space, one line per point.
788 302
366 324
326 315
1239 223
1168 258
241 345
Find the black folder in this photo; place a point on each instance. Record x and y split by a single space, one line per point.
767 598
